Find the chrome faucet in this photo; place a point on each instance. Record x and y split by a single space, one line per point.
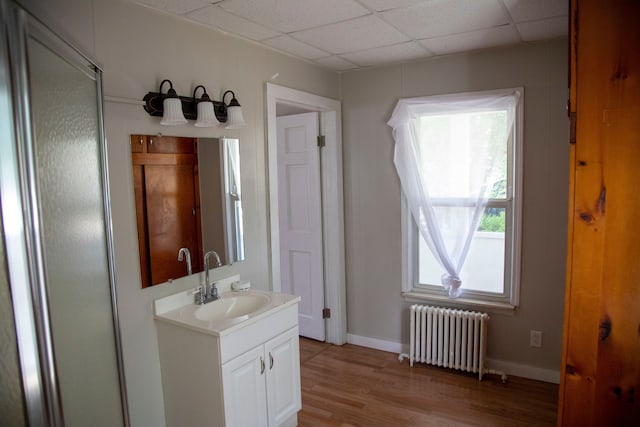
181 253
207 294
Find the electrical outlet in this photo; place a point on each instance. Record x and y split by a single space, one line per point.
535 338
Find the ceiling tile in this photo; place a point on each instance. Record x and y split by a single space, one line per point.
544 29
295 47
443 17
218 18
396 53
348 36
473 40
529 10
336 63
380 5
178 7
294 15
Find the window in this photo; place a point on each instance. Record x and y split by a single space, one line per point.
465 146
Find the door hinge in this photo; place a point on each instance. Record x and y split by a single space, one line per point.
321 141
326 313
572 128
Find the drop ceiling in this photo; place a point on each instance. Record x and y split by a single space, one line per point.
349 34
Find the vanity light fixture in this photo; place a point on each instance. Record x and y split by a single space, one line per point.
234 112
172 114
175 109
204 106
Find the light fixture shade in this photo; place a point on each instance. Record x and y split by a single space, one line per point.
206 116
234 118
234 112
173 114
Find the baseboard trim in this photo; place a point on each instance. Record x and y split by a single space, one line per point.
391 347
525 371
510 368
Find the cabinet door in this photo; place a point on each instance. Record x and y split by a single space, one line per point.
245 400
283 376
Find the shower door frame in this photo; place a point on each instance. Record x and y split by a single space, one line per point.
21 221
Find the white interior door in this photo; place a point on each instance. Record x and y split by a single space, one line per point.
300 206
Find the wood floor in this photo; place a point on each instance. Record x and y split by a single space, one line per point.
356 386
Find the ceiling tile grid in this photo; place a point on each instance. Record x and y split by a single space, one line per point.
294 15
362 33
444 17
348 34
381 5
218 18
396 53
174 6
336 63
473 40
295 47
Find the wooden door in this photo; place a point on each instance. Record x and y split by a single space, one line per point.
600 382
171 225
166 186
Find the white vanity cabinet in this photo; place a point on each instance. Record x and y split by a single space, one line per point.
262 386
245 373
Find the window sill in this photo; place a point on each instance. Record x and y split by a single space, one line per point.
462 303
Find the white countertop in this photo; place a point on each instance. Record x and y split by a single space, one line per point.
180 309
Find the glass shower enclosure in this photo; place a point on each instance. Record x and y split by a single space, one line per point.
58 257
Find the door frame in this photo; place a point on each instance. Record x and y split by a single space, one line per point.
330 111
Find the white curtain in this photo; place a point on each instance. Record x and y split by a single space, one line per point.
447 167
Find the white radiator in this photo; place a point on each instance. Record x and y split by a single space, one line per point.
450 338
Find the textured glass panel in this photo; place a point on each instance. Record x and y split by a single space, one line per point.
11 398
65 119
12 409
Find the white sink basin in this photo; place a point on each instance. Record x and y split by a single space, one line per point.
231 307
232 311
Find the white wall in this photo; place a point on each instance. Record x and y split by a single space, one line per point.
375 308
138 47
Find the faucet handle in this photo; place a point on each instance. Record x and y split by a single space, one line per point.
199 294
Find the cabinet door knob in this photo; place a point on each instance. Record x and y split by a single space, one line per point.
261 366
270 361
140 141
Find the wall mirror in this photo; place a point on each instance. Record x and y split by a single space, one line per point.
188 202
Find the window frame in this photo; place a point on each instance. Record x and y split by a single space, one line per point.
510 298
